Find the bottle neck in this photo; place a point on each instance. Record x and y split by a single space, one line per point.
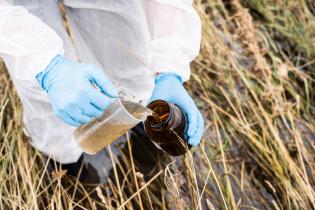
164 115
167 122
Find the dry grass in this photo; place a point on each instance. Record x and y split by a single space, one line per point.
254 81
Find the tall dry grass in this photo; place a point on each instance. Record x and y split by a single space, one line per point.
254 81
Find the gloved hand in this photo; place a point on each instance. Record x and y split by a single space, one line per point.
169 87
70 89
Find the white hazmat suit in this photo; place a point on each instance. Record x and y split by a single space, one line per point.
132 40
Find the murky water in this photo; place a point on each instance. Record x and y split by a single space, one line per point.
115 121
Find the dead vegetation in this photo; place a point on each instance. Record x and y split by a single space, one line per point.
254 81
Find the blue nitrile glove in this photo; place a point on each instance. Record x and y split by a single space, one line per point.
77 92
169 87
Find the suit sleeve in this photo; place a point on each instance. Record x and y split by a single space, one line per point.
27 45
175 31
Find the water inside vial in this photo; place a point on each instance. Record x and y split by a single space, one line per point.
115 121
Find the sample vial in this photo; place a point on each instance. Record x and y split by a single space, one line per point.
116 120
166 127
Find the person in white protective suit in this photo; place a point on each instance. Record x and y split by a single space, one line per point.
142 47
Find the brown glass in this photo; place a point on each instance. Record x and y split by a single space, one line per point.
167 127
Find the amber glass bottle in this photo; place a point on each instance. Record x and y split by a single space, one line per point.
166 128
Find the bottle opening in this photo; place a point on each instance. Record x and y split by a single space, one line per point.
161 114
